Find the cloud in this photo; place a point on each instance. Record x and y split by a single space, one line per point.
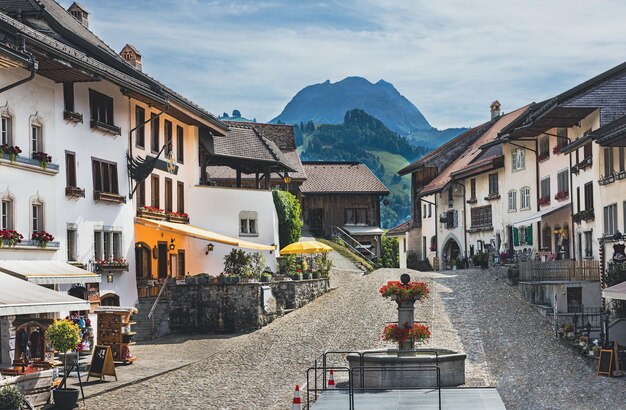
451 59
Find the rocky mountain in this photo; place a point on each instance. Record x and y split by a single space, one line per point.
327 103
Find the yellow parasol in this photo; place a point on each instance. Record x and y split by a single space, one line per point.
305 247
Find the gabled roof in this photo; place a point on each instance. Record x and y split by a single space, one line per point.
399 230
443 156
612 134
334 177
474 153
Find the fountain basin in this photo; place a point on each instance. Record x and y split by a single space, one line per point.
451 365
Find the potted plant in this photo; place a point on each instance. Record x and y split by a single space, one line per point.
324 265
266 277
64 336
11 397
404 293
10 237
43 158
595 351
297 275
11 151
43 237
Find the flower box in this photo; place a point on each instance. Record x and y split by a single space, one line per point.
11 151
543 201
74 192
115 265
586 215
150 212
43 158
9 237
73 117
492 196
109 197
557 149
472 200
178 217
108 128
543 156
561 196
42 238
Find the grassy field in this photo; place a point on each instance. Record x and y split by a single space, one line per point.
343 251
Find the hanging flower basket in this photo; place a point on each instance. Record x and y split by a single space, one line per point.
399 292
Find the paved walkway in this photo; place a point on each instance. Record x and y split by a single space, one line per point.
508 344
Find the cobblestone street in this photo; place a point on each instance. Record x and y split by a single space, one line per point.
507 343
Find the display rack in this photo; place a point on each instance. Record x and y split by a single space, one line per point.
115 330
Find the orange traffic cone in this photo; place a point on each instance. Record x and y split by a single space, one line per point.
297 405
331 380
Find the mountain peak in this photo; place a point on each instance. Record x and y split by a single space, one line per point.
327 103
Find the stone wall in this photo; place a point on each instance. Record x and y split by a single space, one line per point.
245 307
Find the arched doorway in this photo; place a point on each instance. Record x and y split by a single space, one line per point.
143 261
451 250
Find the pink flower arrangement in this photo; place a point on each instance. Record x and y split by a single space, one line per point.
178 214
544 200
561 195
152 209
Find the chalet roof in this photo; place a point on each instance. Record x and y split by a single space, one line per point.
612 134
472 153
399 230
334 177
443 156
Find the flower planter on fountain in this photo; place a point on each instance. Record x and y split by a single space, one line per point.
399 364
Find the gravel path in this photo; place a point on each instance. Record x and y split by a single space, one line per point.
507 343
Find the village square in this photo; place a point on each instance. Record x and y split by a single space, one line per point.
345 254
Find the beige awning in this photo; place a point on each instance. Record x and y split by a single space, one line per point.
528 219
46 272
20 297
363 230
199 233
617 292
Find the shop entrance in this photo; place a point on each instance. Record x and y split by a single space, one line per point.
162 262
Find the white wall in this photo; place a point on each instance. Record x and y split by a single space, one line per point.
217 209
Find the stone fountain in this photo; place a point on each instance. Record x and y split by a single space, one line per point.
396 362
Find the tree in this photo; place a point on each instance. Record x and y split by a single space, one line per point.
236 114
289 214
390 254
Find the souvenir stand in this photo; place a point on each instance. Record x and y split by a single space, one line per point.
31 346
115 330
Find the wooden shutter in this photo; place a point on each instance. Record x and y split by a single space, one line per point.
515 237
529 235
456 218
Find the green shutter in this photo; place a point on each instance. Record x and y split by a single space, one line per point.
515 237
529 235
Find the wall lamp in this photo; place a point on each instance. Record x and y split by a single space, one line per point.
110 278
209 248
172 245
155 252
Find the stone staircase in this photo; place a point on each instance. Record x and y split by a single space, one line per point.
143 326
414 263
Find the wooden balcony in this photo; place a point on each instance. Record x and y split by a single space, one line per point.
559 271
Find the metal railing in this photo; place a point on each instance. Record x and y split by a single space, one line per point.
156 302
563 270
318 374
352 243
591 316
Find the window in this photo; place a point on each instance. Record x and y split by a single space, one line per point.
36 139
356 216
140 118
181 264
68 96
154 191
546 239
493 184
168 195
430 210
141 194
167 128
104 176
561 136
525 198
621 159
7 132
154 139
518 157
248 223
101 108
117 245
481 216
180 197
37 214
545 188
98 248
608 161
588 196
70 169
523 235
512 201
624 215
107 245
588 243
180 147
587 150
473 188
544 148
610 220
6 221
578 209
424 213
562 182
71 244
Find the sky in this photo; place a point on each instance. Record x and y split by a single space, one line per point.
450 58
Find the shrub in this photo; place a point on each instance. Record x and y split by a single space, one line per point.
390 255
237 262
64 336
286 264
11 397
324 264
257 262
289 214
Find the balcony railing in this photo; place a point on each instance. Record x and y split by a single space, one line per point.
559 271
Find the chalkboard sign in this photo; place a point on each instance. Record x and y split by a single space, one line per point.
102 363
605 364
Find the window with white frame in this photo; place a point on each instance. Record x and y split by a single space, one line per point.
36 138
525 198
248 223
588 243
37 217
71 243
6 136
562 182
610 219
518 157
6 214
545 188
107 245
512 201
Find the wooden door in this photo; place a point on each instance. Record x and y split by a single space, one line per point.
162 262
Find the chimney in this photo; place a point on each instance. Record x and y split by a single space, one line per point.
132 56
80 13
495 109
